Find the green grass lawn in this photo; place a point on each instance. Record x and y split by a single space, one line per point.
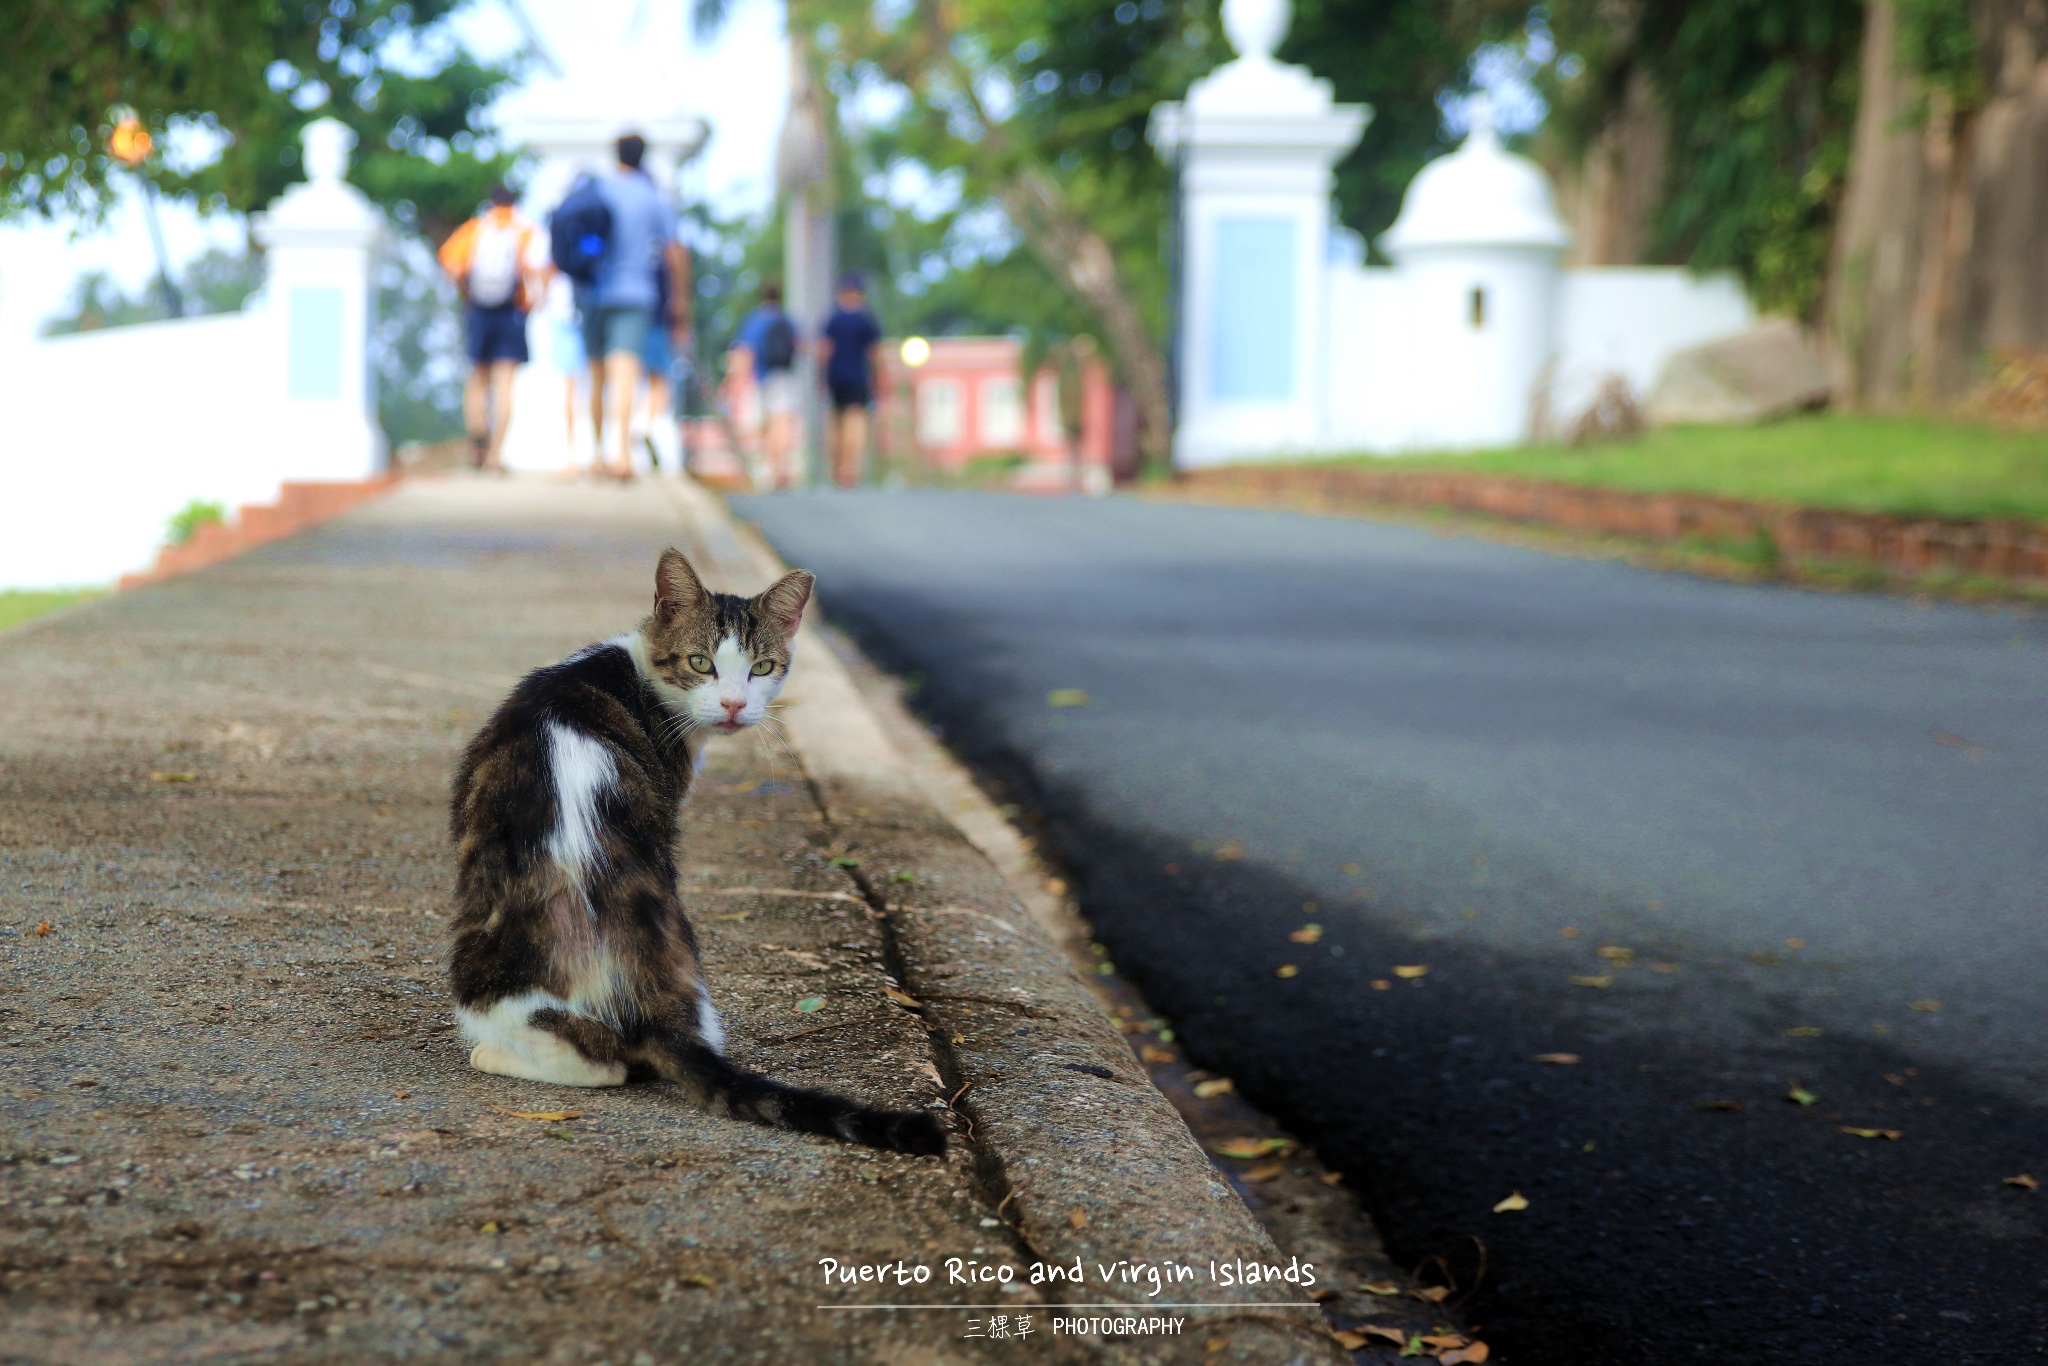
1873 464
18 605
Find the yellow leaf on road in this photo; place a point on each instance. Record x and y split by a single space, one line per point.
1477 1352
1265 1171
903 998
1566 1058
1153 1053
1854 1132
1252 1147
1077 1217
1220 1086
1515 1201
1799 1095
1603 980
1412 971
1286 970
551 1116
1616 954
1379 1288
1928 1006
1067 697
1435 1294
174 777
1307 934
2024 1182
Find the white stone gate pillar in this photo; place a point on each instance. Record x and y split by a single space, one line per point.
320 239
1255 141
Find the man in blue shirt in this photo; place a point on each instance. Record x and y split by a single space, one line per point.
623 300
850 337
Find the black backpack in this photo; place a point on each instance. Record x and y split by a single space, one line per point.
580 231
778 344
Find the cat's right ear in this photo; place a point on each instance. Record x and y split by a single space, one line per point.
676 586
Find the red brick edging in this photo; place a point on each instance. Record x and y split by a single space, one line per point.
2004 548
300 504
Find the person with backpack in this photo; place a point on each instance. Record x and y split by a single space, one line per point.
768 343
495 263
616 237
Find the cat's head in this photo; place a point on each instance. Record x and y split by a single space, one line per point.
721 659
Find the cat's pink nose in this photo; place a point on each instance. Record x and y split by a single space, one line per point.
733 709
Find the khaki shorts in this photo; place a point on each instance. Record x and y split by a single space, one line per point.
778 393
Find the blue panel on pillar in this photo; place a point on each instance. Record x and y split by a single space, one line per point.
1251 352
313 342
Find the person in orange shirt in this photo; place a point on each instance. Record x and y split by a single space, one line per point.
498 260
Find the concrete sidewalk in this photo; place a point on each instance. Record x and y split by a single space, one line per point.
240 1126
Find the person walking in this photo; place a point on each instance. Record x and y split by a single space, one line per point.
848 363
625 298
768 341
497 262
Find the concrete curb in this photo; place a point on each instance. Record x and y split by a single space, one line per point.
1079 1154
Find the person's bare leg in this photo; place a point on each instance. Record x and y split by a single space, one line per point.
852 449
780 441
503 373
476 418
658 398
622 376
597 415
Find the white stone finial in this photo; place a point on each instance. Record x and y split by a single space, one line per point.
1479 117
1256 26
326 143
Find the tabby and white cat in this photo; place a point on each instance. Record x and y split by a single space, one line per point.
573 962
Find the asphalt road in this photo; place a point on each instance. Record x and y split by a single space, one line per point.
1725 843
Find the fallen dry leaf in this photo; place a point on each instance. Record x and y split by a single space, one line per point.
1379 1287
1230 851
1217 1087
1603 980
703 1282
2024 1182
552 1116
931 1074
1799 1095
1928 1006
1382 984
1563 1058
1444 1341
1570 932
1381 1330
1349 1340
1153 1053
1654 967
1477 1352
1433 1294
1287 970
903 998
174 777
42 929
1332 1178
1077 1217
1307 934
1265 1171
1795 943
1616 954
1412 971
1854 1132
1515 1201
1253 1147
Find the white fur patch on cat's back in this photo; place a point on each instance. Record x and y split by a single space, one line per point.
581 770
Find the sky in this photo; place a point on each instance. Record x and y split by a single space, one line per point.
738 83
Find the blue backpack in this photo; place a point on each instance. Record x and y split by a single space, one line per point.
579 231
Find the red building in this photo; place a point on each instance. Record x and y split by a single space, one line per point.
967 402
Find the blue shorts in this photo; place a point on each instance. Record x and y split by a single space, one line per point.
849 393
495 334
608 331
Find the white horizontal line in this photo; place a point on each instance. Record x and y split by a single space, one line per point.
1107 1304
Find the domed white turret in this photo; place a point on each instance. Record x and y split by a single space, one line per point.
1482 195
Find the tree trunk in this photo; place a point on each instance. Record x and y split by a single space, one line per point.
1938 254
1609 195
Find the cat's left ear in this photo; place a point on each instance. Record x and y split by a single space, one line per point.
676 586
783 602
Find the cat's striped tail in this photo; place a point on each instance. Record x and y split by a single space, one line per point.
724 1088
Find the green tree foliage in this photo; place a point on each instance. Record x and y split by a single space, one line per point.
1760 98
1399 56
255 72
216 281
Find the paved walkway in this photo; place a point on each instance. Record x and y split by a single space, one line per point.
240 1123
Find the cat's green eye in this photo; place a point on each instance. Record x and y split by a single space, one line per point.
700 664
763 666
